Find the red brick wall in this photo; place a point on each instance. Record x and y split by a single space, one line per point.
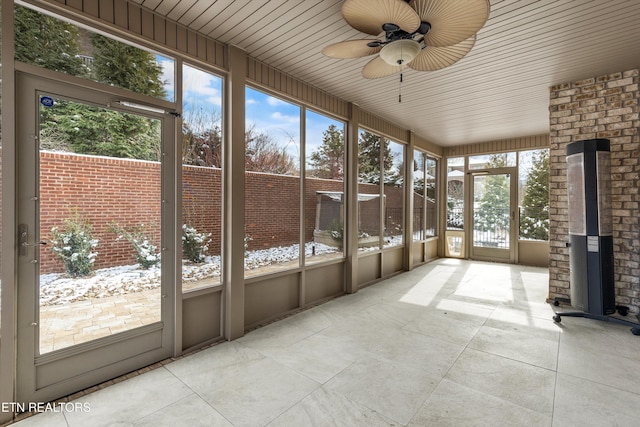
108 190
104 190
272 209
201 202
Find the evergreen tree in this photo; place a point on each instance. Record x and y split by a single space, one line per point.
328 161
493 209
369 150
47 42
70 126
126 66
97 131
534 215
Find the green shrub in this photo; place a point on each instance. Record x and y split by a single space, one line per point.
73 245
146 253
247 239
336 230
194 245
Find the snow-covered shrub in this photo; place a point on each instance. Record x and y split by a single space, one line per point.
146 253
336 230
73 244
247 239
194 245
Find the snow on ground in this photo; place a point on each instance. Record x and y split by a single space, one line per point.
56 288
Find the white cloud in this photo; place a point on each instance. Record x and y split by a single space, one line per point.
275 101
168 75
289 119
200 87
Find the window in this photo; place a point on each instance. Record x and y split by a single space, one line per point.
419 196
51 43
272 184
370 151
490 161
431 198
425 212
533 194
201 178
380 192
324 188
393 178
455 193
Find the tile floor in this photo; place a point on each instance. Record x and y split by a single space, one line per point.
451 343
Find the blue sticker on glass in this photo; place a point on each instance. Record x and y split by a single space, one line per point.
47 101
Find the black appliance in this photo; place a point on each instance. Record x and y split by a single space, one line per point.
591 233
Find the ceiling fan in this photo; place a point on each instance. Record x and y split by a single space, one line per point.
424 35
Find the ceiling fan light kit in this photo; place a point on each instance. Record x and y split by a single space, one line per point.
424 35
400 51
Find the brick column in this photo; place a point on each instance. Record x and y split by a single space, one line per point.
601 107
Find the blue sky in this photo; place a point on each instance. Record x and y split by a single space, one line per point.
280 119
202 94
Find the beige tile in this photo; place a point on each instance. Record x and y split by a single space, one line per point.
449 326
207 363
326 408
417 351
581 402
518 344
517 382
527 309
318 357
46 419
254 392
599 337
605 367
454 405
347 305
390 314
382 364
275 335
314 320
130 400
191 411
466 305
393 389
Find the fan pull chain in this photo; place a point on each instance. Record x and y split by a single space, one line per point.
400 90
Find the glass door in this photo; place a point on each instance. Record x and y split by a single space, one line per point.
493 215
95 287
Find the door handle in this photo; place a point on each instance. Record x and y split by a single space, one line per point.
23 236
42 242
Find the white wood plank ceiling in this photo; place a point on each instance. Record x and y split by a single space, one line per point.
499 90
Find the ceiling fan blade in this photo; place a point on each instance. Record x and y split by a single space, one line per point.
434 58
350 49
377 68
369 16
452 21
